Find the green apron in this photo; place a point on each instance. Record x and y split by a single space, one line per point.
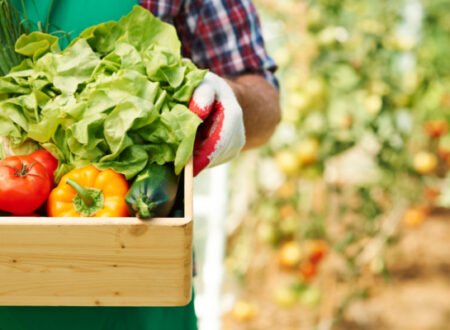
74 16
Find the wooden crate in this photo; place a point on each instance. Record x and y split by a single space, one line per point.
97 261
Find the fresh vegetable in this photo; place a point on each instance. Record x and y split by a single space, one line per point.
7 149
47 160
89 192
116 97
415 216
436 128
290 255
425 162
153 192
287 162
24 185
285 297
244 311
10 30
308 151
307 270
316 250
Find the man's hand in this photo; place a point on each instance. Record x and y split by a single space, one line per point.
221 135
226 106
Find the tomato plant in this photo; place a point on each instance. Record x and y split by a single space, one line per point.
364 144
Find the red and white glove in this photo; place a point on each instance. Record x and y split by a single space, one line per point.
221 136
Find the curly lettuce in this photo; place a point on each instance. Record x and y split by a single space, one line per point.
116 97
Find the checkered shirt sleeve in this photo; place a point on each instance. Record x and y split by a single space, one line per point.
221 35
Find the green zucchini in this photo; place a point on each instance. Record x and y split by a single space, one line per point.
153 192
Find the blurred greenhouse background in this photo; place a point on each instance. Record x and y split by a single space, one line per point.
341 222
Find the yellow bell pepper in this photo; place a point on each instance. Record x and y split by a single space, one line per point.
89 192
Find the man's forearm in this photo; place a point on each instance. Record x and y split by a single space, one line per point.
260 103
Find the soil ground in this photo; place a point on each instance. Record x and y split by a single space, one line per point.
415 295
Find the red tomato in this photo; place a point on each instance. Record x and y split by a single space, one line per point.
307 271
436 128
316 250
25 185
47 160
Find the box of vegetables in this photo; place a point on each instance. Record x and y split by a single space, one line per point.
95 173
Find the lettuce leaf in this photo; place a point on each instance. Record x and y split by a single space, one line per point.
116 97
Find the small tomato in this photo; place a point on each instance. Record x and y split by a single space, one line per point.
285 297
415 216
436 128
316 250
244 311
308 152
307 271
287 162
425 162
290 255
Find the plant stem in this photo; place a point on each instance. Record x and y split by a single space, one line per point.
82 192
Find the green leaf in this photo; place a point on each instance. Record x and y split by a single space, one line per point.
122 119
9 86
103 37
130 162
115 97
184 124
143 30
36 44
71 68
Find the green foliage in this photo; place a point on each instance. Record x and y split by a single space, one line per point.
364 78
10 30
118 107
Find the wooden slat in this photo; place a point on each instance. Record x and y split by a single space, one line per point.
91 261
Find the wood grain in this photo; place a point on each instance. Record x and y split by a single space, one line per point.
97 261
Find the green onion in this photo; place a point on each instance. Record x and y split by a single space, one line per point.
11 28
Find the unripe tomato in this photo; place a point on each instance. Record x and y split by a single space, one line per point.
308 151
425 162
373 104
267 233
287 162
315 89
244 311
285 297
310 297
289 226
290 255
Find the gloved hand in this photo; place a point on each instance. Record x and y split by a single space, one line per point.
221 136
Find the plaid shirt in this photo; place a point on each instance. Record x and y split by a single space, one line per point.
221 35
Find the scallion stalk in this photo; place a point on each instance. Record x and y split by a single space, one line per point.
10 30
